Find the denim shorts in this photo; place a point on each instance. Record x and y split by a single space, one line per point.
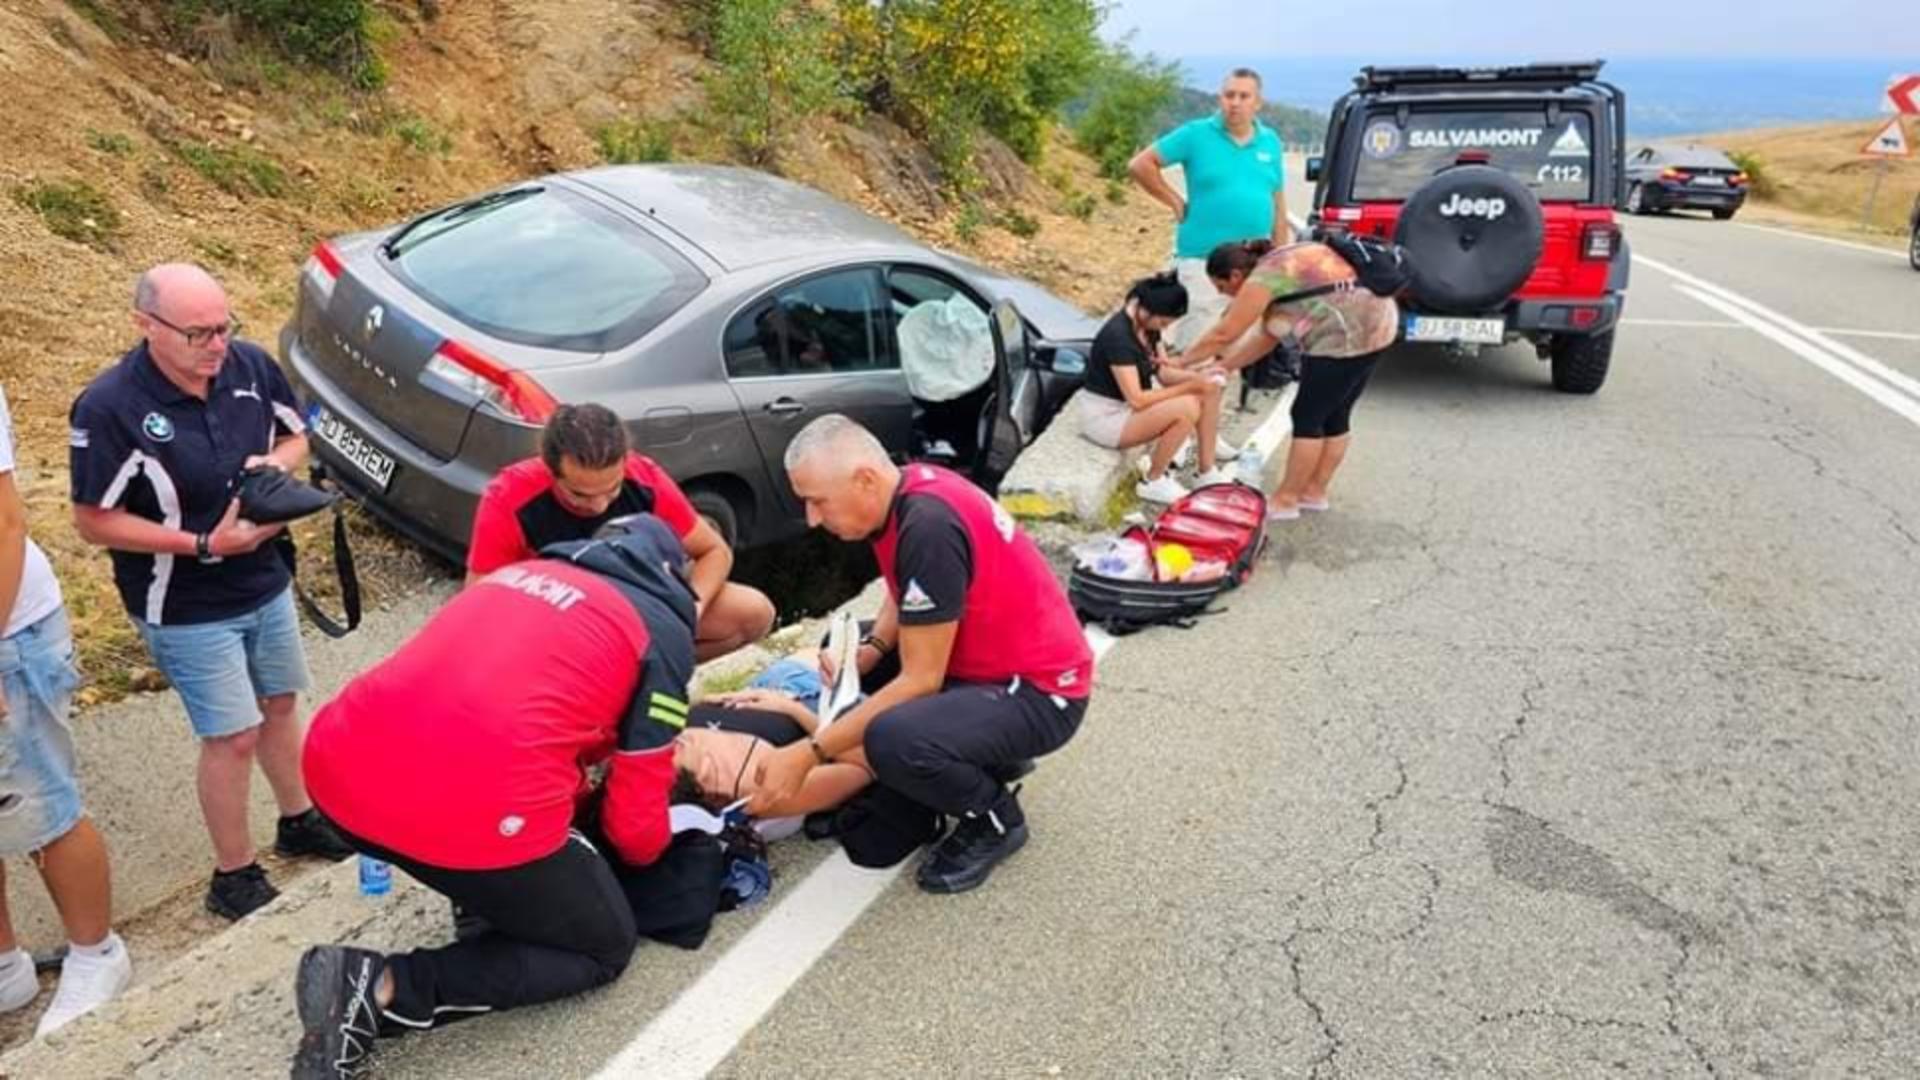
39 793
223 668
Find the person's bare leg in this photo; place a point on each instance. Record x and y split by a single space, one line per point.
224 778
1207 436
739 616
8 942
1331 455
1303 458
1167 424
282 735
75 870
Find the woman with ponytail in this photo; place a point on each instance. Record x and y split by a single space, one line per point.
1122 408
1342 333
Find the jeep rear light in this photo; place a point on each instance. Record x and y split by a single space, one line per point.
322 270
510 391
1599 241
1583 317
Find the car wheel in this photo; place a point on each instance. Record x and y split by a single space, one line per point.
1637 200
1723 215
1913 249
718 512
1580 362
1473 235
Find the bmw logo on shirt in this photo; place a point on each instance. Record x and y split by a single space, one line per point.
157 427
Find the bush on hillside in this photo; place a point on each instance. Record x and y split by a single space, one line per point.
775 71
337 35
1760 181
1122 108
948 69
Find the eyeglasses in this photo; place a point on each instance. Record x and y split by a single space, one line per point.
198 336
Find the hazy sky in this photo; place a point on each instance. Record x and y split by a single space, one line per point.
1425 29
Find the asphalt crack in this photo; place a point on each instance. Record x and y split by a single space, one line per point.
1588 1022
1673 1003
1334 1044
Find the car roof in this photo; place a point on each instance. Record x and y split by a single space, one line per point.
741 217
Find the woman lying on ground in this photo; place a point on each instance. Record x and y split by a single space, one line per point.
726 734
1121 408
1342 334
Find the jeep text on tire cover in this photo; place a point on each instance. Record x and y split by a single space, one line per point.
1501 184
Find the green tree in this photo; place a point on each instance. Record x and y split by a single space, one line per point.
1123 107
774 71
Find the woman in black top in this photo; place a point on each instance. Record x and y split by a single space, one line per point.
1122 408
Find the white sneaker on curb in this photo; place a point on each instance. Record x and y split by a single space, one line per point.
86 983
1164 490
19 985
1215 475
1225 451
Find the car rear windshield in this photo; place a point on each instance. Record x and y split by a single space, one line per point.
1553 158
545 267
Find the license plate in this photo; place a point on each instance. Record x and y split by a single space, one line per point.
1710 181
1442 328
372 462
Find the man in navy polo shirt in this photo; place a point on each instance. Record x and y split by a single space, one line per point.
1235 180
158 441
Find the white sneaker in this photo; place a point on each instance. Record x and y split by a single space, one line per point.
1215 475
19 985
1225 451
1164 490
86 983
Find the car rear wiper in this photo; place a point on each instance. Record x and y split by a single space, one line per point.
390 247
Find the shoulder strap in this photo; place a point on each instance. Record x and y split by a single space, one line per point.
342 565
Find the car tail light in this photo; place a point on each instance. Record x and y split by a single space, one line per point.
1675 175
1738 179
1583 317
322 270
510 391
1599 241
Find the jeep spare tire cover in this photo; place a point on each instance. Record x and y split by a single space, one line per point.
1473 235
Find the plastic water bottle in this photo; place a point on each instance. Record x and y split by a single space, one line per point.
1250 467
376 876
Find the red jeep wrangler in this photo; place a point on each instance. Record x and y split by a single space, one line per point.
1501 184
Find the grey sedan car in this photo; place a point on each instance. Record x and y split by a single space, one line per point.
717 310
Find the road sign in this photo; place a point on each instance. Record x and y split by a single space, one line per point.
1890 142
1903 95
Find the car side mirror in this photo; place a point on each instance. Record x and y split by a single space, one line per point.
1314 167
1059 359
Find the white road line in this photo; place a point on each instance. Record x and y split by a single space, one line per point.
1826 362
1701 324
696 1032
1889 252
1885 335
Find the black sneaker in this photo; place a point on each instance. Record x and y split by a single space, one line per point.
975 846
334 992
309 834
239 893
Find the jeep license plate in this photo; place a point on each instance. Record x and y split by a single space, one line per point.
1446 329
353 446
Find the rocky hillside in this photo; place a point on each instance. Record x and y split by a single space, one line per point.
130 142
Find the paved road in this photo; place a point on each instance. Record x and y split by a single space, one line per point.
1577 739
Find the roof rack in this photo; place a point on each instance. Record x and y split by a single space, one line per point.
1552 75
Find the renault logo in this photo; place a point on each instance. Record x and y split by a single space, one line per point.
375 316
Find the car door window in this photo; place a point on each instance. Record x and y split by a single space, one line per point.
833 323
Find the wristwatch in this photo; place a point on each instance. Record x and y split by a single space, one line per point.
203 547
879 646
819 752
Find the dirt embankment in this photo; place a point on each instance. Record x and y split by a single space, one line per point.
204 147
1821 179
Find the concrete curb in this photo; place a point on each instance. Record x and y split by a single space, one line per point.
1064 478
249 965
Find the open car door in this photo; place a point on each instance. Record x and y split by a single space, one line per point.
1000 436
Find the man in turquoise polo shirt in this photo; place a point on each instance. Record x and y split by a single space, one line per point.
1235 183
